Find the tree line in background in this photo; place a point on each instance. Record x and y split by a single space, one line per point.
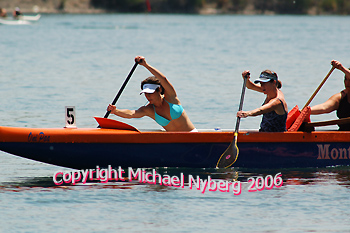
227 6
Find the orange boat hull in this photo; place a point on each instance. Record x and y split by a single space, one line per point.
88 148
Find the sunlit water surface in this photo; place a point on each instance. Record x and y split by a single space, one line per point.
82 60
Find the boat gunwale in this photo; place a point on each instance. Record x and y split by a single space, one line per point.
98 135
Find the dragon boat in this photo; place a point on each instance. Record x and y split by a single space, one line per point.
119 144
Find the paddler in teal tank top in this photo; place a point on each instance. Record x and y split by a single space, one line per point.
164 106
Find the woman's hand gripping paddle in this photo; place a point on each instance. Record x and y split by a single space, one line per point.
121 89
231 153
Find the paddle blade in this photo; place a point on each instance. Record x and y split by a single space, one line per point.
113 124
230 155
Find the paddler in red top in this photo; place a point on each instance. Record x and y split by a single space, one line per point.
339 101
164 106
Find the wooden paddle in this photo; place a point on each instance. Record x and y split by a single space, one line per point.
319 87
331 122
231 153
295 119
121 89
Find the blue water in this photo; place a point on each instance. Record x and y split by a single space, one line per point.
82 60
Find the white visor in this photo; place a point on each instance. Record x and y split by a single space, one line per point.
149 88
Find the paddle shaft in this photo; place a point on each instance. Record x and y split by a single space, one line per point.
122 88
230 155
331 122
319 87
241 103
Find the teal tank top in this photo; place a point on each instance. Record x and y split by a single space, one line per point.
175 112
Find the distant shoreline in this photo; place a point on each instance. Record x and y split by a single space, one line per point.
200 12
207 7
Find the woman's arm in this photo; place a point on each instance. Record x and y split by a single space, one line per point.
126 113
269 107
250 84
340 67
329 106
169 90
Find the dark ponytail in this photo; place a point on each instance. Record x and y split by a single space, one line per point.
274 74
